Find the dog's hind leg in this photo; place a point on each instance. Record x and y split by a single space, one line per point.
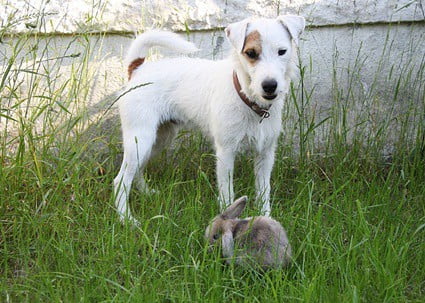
137 149
140 182
164 136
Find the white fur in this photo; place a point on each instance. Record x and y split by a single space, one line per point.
140 46
200 92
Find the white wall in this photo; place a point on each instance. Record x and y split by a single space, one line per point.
132 15
362 46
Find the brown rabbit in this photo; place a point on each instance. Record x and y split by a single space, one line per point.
259 240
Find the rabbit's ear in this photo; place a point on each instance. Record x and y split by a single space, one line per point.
234 210
227 244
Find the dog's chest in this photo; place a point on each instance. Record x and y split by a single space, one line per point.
257 136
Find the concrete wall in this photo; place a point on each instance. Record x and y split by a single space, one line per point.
132 15
353 51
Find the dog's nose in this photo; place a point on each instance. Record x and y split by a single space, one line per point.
269 85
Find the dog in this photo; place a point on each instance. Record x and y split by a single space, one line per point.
236 102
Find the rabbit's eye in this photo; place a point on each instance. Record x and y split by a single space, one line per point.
216 236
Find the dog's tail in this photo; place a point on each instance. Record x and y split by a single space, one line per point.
141 45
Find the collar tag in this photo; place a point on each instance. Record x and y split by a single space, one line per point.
265 115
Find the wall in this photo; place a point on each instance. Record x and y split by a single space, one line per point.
353 52
132 15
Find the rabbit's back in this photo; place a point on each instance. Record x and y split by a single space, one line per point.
264 240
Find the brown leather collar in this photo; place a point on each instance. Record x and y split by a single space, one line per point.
263 113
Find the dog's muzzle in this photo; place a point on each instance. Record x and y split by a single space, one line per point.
269 87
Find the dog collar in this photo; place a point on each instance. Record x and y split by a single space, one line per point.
263 113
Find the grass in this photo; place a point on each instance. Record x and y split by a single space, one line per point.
356 228
355 219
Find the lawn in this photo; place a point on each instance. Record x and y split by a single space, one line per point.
356 226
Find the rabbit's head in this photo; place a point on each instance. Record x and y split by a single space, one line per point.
221 227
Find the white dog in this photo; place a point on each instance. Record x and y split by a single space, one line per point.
236 101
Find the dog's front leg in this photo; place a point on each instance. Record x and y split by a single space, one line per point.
263 169
224 168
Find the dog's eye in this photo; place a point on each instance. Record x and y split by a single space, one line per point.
216 236
281 52
252 54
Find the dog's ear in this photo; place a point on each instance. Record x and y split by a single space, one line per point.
236 33
294 24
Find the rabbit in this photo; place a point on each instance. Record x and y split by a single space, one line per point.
258 240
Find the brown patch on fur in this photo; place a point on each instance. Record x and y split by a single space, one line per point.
133 65
252 42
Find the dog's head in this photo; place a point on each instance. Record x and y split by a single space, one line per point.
265 49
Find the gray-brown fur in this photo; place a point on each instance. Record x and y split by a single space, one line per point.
258 241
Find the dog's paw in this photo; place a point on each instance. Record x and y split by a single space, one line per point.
265 210
143 188
133 222
150 191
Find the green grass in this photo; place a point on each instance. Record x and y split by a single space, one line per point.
357 228
355 219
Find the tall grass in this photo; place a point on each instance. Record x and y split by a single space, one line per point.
354 215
